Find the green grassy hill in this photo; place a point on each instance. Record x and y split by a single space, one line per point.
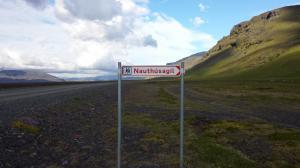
189 61
265 48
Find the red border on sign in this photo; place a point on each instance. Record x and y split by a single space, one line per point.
170 66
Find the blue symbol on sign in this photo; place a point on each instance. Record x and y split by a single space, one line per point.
127 70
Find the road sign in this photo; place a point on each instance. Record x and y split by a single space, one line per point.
165 71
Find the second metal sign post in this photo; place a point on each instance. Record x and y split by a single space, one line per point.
154 71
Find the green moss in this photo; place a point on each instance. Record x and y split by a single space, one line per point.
26 127
77 98
140 120
285 136
213 147
209 154
211 143
154 138
166 97
230 125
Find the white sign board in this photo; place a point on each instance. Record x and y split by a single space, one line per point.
165 71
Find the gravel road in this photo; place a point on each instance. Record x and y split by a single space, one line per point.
17 102
63 115
22 93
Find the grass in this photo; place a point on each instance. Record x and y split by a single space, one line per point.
229 144
285 136
140 121
268 51
26 127
283 68
212 148
255 92
156 129
209 154
222 143
167 97
158 137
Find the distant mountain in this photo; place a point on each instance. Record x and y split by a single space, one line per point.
96 78
104 78
267 47
189 61
26 76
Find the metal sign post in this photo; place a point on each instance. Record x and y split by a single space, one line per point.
146 71
119 115
181 115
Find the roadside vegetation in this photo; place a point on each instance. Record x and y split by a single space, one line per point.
227 124
237 138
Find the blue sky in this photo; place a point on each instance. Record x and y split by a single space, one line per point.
219 15
84 38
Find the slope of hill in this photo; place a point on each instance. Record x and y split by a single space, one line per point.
26 76
265 48
190 61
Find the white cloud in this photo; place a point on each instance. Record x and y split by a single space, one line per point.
90 38
93 9
149 41
202 7
141 1
33 36
174 41
197 21
38 4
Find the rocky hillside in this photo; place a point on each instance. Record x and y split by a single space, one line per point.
190 61
265 47
26 76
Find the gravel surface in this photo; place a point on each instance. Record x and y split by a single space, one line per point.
75 125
